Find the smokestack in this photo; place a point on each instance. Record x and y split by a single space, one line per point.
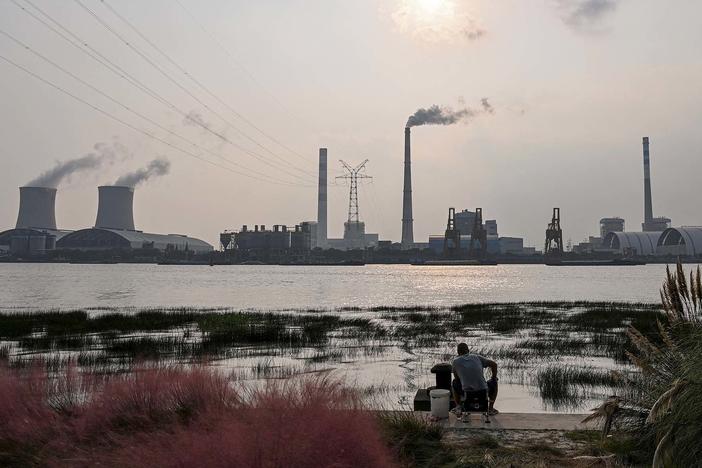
37 208
115 208
407 221
648 205
322 200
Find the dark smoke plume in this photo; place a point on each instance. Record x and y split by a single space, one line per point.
436 115
585 13
157 167
487 107
104 152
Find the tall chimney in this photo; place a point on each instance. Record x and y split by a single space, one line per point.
407 221
115 208
322 200
37 208
648 205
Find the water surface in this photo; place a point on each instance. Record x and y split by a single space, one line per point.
285 287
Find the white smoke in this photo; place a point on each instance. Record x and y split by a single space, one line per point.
156 168
103 153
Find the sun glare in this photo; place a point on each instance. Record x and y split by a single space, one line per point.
430 6
434 21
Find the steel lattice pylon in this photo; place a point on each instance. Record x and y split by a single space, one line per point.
353 176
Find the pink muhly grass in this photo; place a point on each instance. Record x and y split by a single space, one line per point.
153 397
25 413
180 417
312 422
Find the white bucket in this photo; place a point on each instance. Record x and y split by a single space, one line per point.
440 403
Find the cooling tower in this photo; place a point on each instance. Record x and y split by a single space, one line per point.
115 205
407 221
37 208
322 200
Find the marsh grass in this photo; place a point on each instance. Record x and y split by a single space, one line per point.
562 386
519 335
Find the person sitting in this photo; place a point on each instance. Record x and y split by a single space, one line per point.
469 377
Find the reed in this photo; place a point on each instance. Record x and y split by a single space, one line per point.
664 405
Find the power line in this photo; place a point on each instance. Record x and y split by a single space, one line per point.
231 57
120 72
127 124
148 60
129 109
196 81
90 52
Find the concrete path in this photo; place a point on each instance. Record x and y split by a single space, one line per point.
520 421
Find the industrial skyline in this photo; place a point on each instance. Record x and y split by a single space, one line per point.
238 112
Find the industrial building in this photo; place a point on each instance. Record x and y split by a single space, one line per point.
277 241
595 244
114 228
36 233
463 222
307 235
608 225
632 243
115 239
684 241
642 243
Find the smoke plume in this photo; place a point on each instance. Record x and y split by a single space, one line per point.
487 107
155 168
583 14
103 153
440 115
195 119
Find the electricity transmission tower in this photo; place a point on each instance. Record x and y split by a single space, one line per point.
354 173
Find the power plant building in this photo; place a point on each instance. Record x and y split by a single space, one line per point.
608 225
109 239
685 241
632 243
643 243
35 231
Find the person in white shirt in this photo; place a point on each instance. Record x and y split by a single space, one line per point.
468 371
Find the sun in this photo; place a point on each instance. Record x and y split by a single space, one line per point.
430 7
435 21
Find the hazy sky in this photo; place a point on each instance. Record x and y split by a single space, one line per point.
574 85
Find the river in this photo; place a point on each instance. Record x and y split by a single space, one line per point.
67 286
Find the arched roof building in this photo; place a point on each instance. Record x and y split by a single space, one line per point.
636 243
681 241
103 239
